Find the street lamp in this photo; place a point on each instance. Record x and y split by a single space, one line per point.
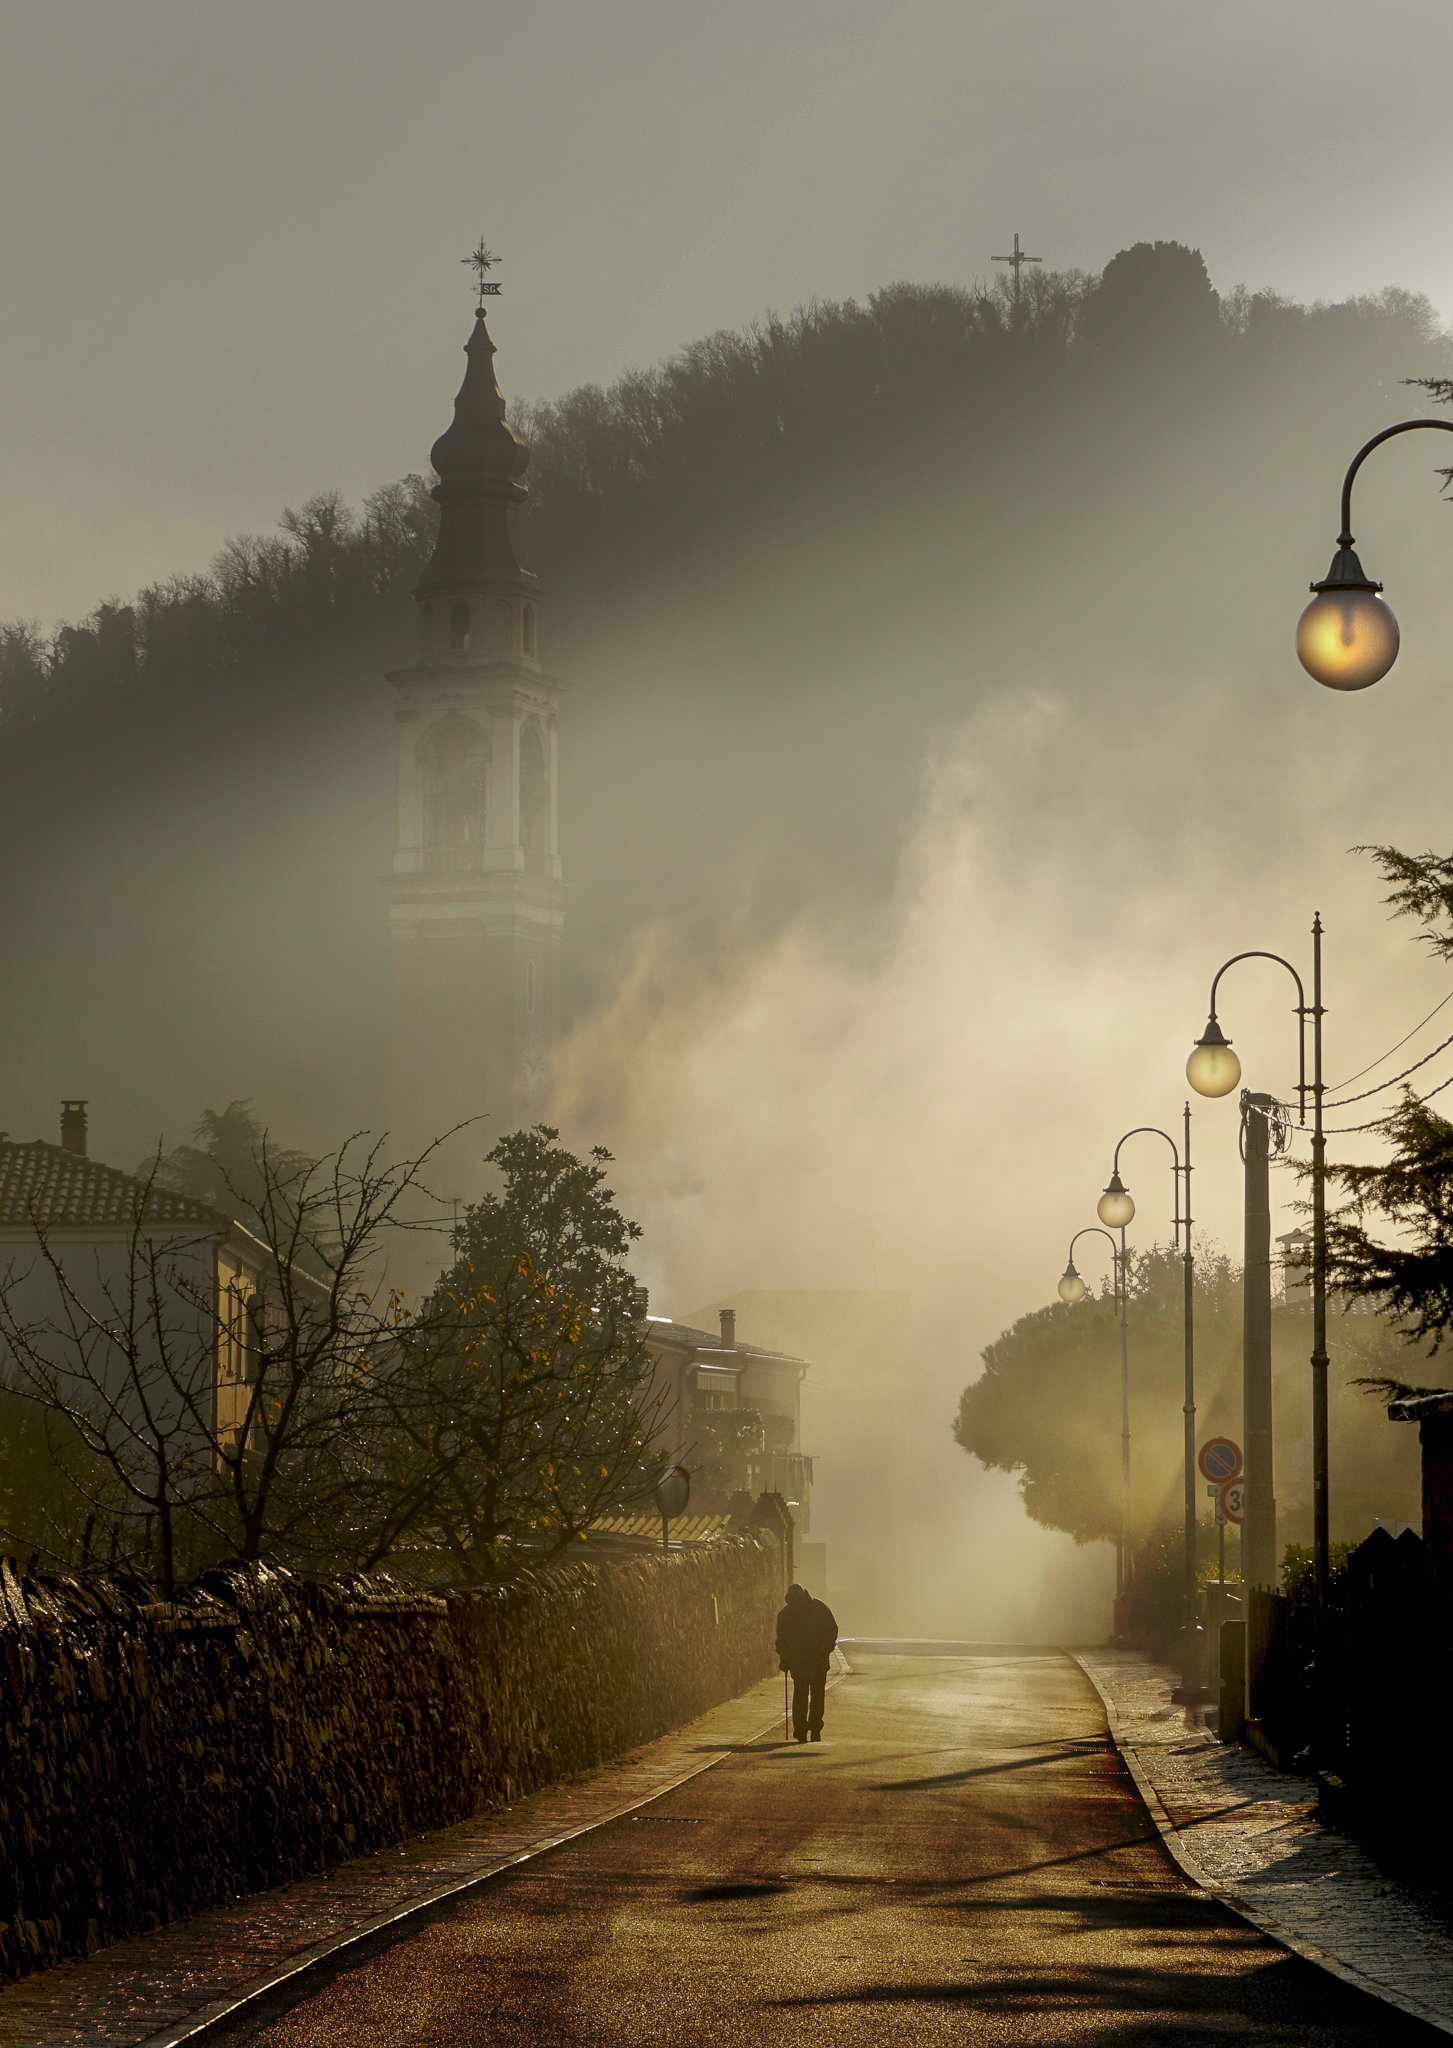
1213 1069
1072 1288
1221 1047
1347 637
1116 1199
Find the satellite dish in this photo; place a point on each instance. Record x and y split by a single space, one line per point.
673 1491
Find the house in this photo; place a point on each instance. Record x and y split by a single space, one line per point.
155 1269
1296 1257
703 1378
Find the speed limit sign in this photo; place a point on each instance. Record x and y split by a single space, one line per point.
1233 1500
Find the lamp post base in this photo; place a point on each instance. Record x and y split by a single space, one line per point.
1192 1690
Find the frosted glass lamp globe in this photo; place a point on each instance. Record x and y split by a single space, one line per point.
1213 1069
1071 1286
1115 1207
1347 637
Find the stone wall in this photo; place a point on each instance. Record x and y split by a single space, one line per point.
158 1757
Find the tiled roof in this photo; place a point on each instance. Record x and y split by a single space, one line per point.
47 1186
683 1335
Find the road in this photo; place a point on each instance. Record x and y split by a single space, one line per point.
964 1858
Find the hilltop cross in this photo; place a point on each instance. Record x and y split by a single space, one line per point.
482 262
1016 263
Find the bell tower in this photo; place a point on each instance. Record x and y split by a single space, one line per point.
475 896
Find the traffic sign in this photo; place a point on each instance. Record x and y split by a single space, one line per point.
1220 1459
1233 1500
673 1491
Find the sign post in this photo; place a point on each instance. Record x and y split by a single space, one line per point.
673 1491
1220 1467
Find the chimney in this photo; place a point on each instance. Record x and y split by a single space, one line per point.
728 1329
640 1303
73 1127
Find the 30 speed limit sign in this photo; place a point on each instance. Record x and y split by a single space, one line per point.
1232 1500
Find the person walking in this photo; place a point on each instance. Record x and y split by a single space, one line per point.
806 1639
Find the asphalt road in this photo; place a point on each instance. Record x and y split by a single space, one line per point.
964 1858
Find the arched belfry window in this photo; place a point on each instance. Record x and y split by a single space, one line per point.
459 625
455 756
499 627
529 629
534 792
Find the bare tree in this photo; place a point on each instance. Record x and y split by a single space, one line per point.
277 1400
196 1418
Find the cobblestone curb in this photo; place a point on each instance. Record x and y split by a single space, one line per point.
1247 1834
185 1983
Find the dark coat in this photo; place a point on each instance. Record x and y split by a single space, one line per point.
806 1635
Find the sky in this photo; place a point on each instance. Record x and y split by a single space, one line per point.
232 248
233 278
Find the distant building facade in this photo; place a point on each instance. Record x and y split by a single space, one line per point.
104 1229
703 1379
475 898
1296 1259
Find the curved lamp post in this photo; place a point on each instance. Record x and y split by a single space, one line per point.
1117 1206
1072 1288
1213 1069
1347 637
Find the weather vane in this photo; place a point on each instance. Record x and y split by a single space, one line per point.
482 262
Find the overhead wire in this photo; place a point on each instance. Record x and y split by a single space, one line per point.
1393 1080
1335 1085
1348 1130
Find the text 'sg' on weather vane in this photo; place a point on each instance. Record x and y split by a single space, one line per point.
481 262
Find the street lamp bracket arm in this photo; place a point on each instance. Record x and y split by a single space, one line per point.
1345 538
1116 1265
1094 1230
1153 1130
1304 1009
1301 992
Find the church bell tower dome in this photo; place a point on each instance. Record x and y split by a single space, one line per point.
478 596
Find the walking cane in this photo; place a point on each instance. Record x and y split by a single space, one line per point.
786 1711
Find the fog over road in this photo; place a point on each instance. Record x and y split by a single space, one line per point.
964 1858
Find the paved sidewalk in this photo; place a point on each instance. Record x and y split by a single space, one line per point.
161 1988
1246 1832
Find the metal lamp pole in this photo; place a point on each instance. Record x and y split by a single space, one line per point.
1213 1069
1072 1288
1117 1206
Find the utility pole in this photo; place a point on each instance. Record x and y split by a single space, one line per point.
1258 1536
1126 1543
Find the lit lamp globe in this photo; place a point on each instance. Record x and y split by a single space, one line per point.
1071 1286
1347 637
1213 1069
1115 1208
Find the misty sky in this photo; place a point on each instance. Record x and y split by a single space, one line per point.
232 279
232 233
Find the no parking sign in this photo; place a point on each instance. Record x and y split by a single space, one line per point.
1220 1460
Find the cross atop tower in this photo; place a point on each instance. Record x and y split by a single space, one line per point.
482 262
1016 263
